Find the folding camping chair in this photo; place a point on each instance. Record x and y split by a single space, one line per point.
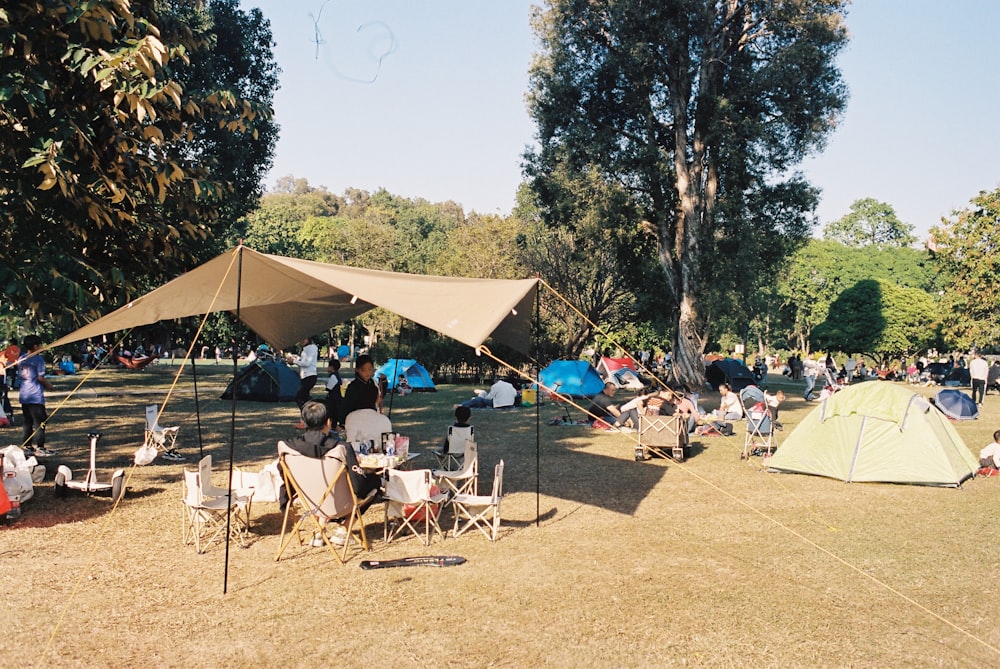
452 453
759 437
481 511
366 425
321 490
164 438
562 401
466 480
242 497
409 498
204 520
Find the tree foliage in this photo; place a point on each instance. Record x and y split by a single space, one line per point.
579 240
117 149
870 223
697 110
879 319
966 249
820 271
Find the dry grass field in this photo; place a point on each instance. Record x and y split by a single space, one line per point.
711 563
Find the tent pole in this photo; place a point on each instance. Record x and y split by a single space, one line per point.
538 495
395 368
197 409
232 421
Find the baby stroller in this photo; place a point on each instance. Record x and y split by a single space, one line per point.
759 439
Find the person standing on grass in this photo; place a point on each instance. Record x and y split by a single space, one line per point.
334 392
306 360
31 372
979 371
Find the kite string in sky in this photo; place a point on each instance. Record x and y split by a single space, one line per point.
387 51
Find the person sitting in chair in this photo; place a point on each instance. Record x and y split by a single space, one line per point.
602 407
319 439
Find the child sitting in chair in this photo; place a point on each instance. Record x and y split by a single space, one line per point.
462 416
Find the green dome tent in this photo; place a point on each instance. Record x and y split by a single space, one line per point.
877 432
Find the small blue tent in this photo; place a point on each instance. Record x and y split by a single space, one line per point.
577 378
415 373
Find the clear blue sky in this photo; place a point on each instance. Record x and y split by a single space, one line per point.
442 116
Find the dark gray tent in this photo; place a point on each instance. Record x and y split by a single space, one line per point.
731 371
266 380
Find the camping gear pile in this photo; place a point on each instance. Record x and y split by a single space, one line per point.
20 474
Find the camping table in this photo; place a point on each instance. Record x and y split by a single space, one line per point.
380 469
665 436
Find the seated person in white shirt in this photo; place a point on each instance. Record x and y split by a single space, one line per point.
990 456
501 394
730 407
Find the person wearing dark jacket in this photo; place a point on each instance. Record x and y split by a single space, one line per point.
361 393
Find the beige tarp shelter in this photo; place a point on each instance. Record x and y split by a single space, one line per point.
285 300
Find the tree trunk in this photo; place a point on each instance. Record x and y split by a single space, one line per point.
689 365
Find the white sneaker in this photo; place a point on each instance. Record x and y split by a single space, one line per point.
339 537
625 429
317 541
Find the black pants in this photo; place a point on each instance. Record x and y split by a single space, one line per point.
305 387
978 386
34 424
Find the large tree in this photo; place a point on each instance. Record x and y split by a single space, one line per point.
870 223
698 109
822 269
116 144
966 248
578 240
879 319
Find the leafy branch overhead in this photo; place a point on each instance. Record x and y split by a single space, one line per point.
108 168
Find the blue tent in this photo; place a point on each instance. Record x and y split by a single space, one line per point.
572 377
956 404
415 373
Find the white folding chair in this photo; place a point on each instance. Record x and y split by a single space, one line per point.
163 438
242 499
204 519
449 456
464 481
408 499
480 511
